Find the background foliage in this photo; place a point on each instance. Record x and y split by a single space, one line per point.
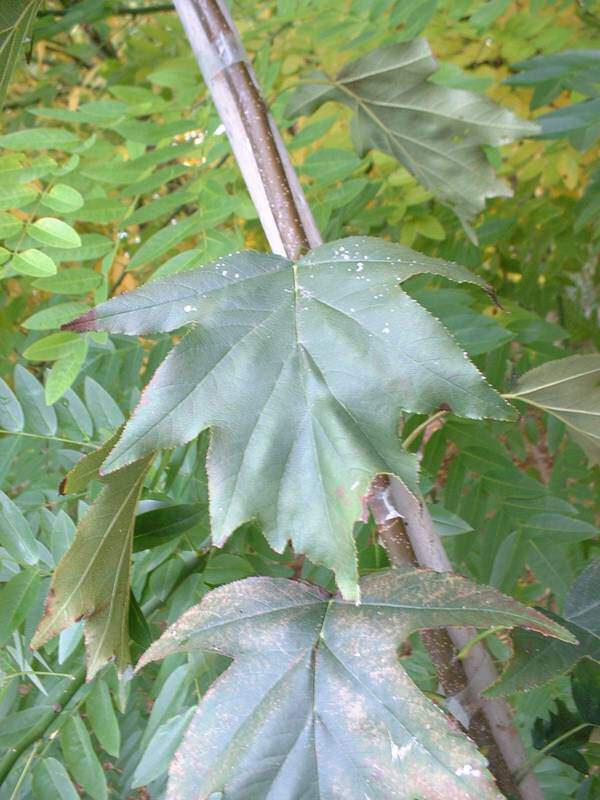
114 170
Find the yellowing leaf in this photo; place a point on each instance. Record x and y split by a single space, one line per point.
91 581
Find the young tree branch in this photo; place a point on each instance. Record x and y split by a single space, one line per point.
290 229
258 148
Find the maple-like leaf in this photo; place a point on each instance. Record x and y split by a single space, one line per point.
435 132
316 705
301 371
91 582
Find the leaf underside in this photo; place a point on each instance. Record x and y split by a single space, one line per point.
316 704
389 91
92 581
569 389
301 372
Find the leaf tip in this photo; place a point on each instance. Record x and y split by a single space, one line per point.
86 322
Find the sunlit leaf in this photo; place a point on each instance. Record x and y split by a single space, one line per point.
33 262
54 232
63 199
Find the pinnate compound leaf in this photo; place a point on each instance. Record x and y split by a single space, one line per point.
569 389
91 581
537 660
299 370
435 132
315 704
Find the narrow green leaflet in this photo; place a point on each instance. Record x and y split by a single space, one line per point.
16 599
63 373
50 781
435 132
76 280
569 389
103 721
91 581
298 369
80 758
162 748
53 346
39 418
54 316
16 535
537 660
16 17
11 413
579 122
316 704
160 525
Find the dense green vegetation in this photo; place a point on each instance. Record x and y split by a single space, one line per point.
448 151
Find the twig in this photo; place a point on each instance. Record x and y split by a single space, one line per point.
132 11
45 719
541 754
463 701
48 438
255 141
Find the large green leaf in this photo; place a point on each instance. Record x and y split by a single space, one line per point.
15 21
569 389
316 704
91 581
436 132
299 370
537 660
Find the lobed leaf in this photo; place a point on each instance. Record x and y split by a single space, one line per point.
316 704
392 97
299 370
